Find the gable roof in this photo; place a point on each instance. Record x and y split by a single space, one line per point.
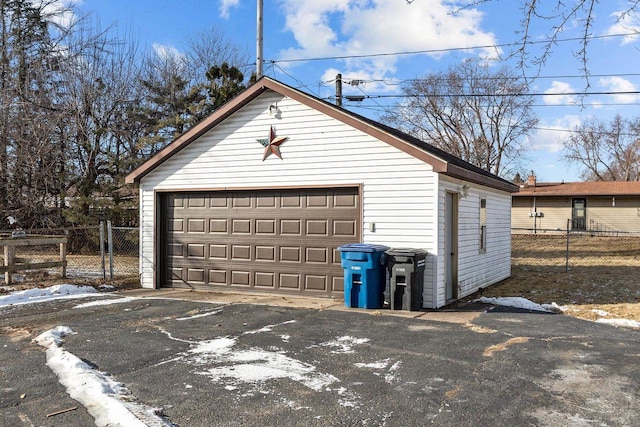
441 161
599 188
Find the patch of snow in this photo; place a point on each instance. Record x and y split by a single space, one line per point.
519 302
35 295
600 312
625 323
285 338
197 316
392 375
348 399
344 344
108 401
268 328
374 365
254 365
106 302
107 287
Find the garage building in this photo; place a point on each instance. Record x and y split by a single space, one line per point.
259 196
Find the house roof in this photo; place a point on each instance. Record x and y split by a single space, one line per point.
600 188
441 161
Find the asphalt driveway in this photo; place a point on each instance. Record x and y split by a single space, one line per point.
229 362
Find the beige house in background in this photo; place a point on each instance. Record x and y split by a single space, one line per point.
585 206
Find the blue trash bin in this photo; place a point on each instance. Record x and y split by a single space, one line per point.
364 274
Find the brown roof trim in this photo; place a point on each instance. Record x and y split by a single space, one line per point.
439 163
578 189
471 176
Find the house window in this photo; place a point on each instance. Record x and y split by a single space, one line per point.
483 225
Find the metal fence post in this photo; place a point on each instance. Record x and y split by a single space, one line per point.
566 267
110 240
104 271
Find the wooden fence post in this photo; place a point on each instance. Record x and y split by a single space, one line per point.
63 258
9 259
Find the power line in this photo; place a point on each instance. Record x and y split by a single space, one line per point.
452 49
493 95
394 82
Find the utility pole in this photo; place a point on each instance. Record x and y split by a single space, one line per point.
259 41
339 90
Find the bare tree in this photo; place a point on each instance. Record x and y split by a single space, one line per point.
30 153
606 151
559 16
480 115
99 91
211 47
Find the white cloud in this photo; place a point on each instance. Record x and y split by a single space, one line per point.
560 88
59 12
625 23
168 52
550 134
226 6
618 84
361 27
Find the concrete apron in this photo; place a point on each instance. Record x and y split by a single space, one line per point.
450 316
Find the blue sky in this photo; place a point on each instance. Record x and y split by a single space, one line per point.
300 29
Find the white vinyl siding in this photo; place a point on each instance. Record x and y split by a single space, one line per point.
476 269
398 190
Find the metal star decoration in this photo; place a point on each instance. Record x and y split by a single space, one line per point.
272 144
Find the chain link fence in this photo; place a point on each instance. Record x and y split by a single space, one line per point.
555 250
97 252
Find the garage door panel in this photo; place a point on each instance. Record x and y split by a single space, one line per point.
195 275
241 200
265 279
316 227
317 201
240 278
266 201
241 226
196 201
317 255
241 252
218 201
196 225
218 277
315 282
289 281
196 250
344 228
265 226
218 252
265 253
341 200
218 225
291 201
279 240
290 254
337 284
291 227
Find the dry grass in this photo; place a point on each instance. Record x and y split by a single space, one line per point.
603 274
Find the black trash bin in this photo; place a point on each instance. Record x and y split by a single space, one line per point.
406 278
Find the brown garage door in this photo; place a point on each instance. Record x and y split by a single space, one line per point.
275 240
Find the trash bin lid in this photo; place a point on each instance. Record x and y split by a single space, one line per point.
362 247
406 252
